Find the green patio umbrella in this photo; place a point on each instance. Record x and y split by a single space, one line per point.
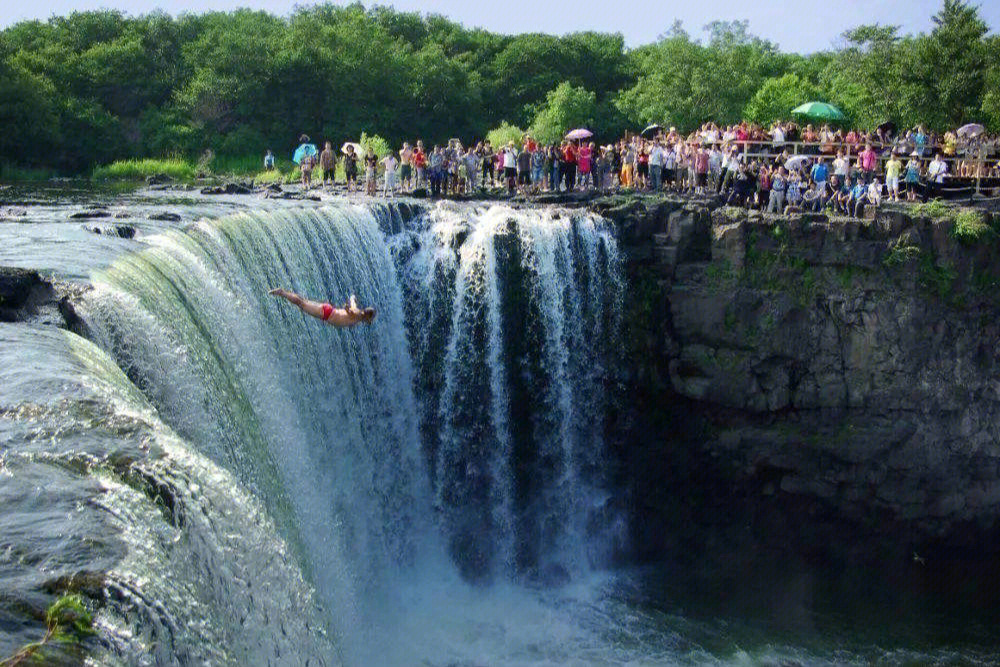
819 111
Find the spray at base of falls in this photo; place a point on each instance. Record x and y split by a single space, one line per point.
467 420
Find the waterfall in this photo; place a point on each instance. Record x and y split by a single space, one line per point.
468 420
514 317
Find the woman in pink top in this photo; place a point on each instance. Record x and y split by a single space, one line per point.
868 160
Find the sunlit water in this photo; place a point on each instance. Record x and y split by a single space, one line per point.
241 485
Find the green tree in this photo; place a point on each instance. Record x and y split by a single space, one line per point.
566 107
951 64
991 98
504 134
777 97
865 78
685 83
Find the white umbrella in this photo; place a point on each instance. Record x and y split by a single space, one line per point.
793 163
580 133
970 130
358 148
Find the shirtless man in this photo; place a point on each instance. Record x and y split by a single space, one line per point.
347 316
405 168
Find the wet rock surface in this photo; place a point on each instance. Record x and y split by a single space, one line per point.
811 388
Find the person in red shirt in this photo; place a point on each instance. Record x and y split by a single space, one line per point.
530 144
569 165
701 170
642 166
420 164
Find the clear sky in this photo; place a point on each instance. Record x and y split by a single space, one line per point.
802 27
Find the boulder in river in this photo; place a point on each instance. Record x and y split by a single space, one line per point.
228 189
17 287
166 216
122 231
93 213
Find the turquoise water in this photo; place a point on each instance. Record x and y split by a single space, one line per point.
251 487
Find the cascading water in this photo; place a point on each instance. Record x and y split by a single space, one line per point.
468 419
512 318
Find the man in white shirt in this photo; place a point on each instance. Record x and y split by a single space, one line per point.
841 166
778 136
936 172
656 165
937 169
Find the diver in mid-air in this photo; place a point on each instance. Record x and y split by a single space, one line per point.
348 315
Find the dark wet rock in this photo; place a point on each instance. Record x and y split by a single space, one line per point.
121 215
229 189
93 213
165 217
121 231
159 179
817 387
21 291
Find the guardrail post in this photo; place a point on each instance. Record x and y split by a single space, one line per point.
979 171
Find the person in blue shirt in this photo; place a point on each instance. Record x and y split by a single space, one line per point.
820 172
920 141
857 201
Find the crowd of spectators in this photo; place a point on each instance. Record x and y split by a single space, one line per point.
783 168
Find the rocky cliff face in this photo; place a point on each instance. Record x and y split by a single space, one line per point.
828 388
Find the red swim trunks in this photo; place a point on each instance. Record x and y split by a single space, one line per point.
327 311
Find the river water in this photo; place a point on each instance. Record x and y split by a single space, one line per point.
230 482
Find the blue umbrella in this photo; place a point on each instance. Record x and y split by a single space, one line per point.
303 151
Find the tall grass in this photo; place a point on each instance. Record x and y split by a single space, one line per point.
138 170
240 165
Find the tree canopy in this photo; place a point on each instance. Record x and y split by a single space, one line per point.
92 87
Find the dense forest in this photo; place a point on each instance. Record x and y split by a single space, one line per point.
94 87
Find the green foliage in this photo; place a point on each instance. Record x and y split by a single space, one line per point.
566 107
67 621
900 254
505 133
777 96
970 227
138 170
685 83
98 87
934 209
70 617
377 144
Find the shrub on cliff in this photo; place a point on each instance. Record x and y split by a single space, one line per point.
970 227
